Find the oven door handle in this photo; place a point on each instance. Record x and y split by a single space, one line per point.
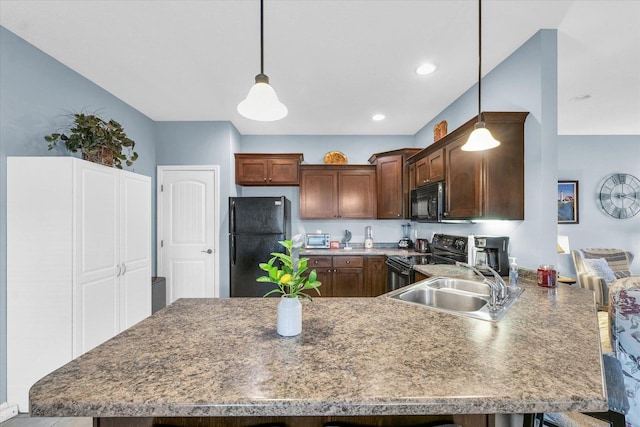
398 269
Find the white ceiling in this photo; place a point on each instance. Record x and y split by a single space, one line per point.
334 63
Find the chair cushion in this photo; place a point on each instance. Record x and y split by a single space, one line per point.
617 259
599 267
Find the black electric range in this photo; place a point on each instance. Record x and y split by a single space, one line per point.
445 249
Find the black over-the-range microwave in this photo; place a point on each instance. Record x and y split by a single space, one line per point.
427 202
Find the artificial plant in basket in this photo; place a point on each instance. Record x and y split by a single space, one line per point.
99 141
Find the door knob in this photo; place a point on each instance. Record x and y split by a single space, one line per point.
208 251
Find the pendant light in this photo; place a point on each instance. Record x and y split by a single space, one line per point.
481 138
262 103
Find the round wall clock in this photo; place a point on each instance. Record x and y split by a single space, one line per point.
620 195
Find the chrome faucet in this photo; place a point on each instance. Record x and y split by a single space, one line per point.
499 291
504 289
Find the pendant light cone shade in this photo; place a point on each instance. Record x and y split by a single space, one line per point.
262 103
481 138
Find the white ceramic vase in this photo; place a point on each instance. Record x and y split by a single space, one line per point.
289 317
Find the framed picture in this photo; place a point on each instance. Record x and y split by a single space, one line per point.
567 202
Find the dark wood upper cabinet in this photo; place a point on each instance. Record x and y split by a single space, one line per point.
487 184
337 191
393 183
412 176
430 168
262 169
478 185
464 189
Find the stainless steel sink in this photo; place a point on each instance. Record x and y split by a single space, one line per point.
456 296
455 301
459 284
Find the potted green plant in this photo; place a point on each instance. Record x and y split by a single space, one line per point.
99 141
291 282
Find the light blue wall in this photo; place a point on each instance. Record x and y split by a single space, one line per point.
36 92
526 81
205 143
357 148
590 159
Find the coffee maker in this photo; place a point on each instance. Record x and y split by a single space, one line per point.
489 251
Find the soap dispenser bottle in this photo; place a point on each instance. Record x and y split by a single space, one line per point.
513 272
368 238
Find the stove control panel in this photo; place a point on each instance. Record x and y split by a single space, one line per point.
450 243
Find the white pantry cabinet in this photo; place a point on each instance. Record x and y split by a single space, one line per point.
78 262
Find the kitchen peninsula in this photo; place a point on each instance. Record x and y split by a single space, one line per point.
356 359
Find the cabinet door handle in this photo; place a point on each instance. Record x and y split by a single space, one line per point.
119 270
348 262
208 251
265 179
124 269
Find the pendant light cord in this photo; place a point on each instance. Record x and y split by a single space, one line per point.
479 60
261 38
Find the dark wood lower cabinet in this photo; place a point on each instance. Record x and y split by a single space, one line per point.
320 421
350 276
348 282
375 276
419 276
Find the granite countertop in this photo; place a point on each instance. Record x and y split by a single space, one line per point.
355 356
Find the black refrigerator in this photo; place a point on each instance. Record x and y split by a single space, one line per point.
256 224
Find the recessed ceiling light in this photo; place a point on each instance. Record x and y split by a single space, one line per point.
425 69
582 97
378 117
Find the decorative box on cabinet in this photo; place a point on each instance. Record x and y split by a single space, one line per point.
337 191
260 169
78 262
392 183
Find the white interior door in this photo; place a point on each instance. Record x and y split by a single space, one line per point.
187 224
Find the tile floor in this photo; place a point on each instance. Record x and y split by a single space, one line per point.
24 420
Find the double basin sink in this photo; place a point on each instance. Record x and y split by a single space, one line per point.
457 296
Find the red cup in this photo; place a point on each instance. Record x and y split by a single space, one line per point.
547 276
